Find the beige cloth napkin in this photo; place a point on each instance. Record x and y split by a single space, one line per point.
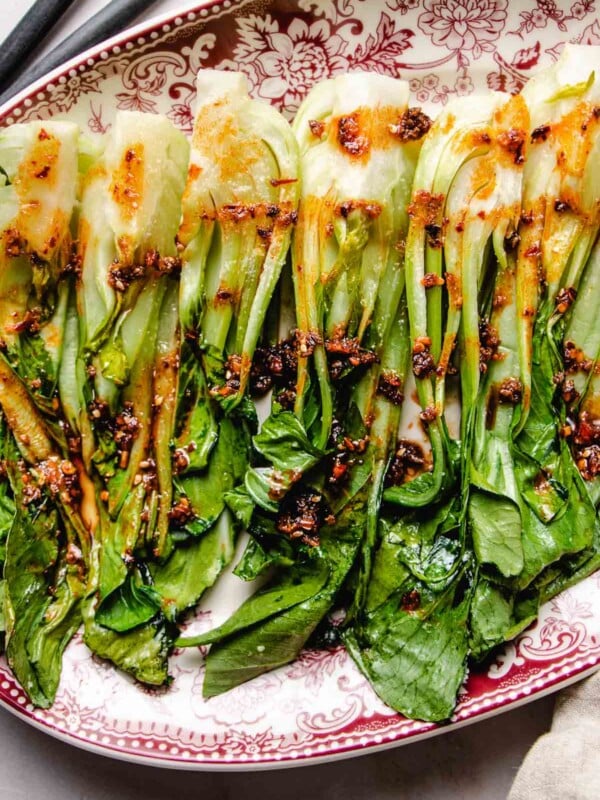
564 764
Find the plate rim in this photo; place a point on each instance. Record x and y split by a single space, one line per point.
191 765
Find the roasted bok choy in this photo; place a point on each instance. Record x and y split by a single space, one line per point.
358 147
47 507
239 207
427 471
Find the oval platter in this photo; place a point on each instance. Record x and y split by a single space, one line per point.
318 708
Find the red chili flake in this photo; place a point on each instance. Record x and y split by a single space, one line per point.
181 512
349 135
169 265
276 366
409 459
422 361
121 276
561 207
568 392
125 427
345 352
303 513
372 210
391 386
527 217
13 244
426 207
306 341
586 446
565 299
513 141
317 128
511 241
30 322
540 134
411 601
413 125
575 359
510 391
428 414
489 342
534 251
282 181
434 235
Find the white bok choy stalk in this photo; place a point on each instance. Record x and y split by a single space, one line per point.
359 143
561 209
126 383
239 208
355 178
460 208
48 504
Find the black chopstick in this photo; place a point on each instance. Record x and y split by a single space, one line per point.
112 19
27 34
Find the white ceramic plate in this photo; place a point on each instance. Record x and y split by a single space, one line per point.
319 707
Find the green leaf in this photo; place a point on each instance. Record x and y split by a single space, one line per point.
415 663
426 543
61 621
129 606
240 504
292 586
118 541
544 544
570 569
496 529
196 429
32 361
31 555
193 567
265 486
258 558
206 490
389 574
276 639
142 652
276 642
496 615
113 363
283 442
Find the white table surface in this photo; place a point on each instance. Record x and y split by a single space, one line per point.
474 763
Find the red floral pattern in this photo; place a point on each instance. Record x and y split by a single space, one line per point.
320 706
284 54
464 24
297 58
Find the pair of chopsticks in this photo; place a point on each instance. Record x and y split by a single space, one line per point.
36 24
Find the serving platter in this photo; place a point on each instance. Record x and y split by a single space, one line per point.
319 707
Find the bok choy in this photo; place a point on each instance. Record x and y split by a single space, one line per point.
429 468
331 511
48 507
239 208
